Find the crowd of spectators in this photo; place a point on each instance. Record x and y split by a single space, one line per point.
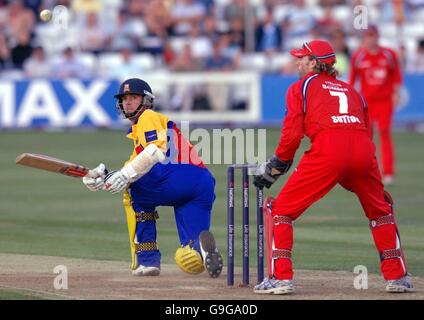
192 35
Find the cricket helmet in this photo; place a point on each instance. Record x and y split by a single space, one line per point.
138 87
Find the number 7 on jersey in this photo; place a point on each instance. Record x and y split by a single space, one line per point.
342 101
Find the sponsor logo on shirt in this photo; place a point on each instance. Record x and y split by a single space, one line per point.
151 135
334 86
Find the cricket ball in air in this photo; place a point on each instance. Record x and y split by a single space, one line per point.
45 15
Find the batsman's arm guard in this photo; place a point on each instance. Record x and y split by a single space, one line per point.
142 163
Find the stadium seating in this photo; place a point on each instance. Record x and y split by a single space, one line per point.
54 40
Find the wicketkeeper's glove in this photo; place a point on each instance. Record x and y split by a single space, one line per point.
274 168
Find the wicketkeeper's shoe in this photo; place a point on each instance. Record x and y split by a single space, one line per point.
403 284
212 259
273 286
146 271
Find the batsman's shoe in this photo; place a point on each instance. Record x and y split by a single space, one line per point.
146 271
403 284
212 259
273 286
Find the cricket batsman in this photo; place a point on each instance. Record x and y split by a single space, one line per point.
163 170
380 80
334 116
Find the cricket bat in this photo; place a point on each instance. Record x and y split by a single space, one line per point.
47 163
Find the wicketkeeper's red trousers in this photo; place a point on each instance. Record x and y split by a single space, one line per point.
347 158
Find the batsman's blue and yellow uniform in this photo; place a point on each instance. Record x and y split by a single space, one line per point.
182 182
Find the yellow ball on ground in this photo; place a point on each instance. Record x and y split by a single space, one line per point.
45 15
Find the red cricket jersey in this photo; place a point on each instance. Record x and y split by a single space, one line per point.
319 102
378 73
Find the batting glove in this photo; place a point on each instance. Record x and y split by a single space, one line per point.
116 181
274 168
94 180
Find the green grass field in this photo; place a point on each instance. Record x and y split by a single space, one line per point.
14 295
42 213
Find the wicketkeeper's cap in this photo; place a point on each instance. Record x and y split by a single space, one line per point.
319 49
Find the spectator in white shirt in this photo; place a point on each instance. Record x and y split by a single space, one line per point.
298 23
201 46
37 66
92 36
70 67
128 33
129 67
184 13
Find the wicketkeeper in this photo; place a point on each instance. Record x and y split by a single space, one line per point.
163 170
334 116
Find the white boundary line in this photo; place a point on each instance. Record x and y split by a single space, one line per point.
42 292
